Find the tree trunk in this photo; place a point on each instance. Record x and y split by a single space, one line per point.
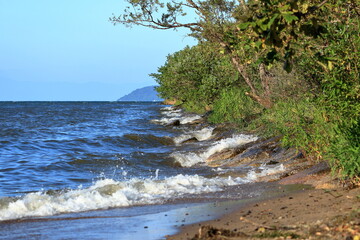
265 80
264 100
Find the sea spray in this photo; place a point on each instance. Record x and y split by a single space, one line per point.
190 159
172 114
200 135
108 193
263 171
181 119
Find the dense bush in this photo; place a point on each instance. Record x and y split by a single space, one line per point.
234 106
336 61
195 76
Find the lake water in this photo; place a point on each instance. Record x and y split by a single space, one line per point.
61 161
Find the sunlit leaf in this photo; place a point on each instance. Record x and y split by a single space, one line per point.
272 20
284 8
243 26
258 44
330 65
304 7
289 17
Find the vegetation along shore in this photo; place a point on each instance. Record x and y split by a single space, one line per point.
276 68
318 205
280 68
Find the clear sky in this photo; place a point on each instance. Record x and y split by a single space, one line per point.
58 50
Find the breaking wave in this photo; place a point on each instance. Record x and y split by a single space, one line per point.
200 135
190 159
108 193
181 119
172 115
264 171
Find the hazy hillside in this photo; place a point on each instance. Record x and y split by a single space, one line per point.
146 94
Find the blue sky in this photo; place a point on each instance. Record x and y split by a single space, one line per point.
58 50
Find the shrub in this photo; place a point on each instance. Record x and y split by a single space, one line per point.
316 132
234 106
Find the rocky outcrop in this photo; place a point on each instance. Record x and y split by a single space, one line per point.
262 152
258 153
190 140
265 158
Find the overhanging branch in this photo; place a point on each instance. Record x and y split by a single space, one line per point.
150 23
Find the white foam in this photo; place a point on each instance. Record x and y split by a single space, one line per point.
187 159
189 119
109 193
264 171
164 121
176 114
173 114
182 119
200 135
171 108
191 159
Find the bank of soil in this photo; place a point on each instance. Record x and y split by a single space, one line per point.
329 211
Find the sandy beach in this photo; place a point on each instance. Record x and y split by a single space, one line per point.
328 211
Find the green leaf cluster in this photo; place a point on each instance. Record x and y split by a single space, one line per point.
234 106
195 76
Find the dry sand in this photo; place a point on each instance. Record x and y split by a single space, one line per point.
329 211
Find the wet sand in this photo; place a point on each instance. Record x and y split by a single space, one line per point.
329 211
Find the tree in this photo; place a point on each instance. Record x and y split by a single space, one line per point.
320 38
215 19
195 76
253 32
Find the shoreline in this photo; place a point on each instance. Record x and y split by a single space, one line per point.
303 214
327 211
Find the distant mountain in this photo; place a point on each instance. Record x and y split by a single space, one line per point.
146 94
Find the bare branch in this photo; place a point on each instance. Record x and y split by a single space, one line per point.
314 8
156 25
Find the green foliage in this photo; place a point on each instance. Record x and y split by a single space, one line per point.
335 61
302 123
195 76
274 29
315 106
325 123
194 106
316 132
234 106
344 155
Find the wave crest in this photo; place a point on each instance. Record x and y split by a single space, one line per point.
108 193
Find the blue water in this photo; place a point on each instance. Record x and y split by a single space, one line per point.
61 157
72 157
71 163
56 145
